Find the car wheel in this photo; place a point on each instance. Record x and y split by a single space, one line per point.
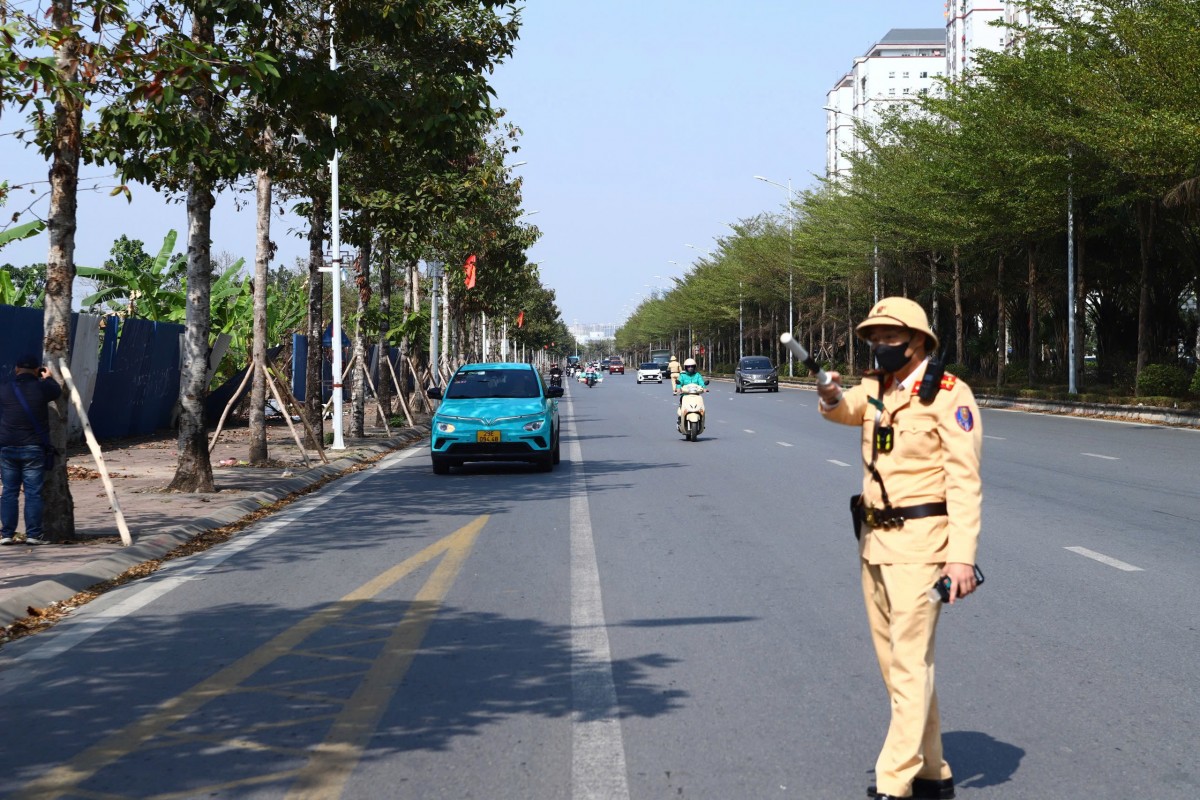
545 463
557 449
441 466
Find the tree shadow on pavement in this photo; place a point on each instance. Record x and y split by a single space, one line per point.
472 671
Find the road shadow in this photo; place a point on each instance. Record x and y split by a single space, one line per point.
473 671
979 760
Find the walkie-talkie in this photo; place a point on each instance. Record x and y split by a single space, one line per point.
931 383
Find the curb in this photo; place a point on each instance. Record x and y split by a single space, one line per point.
1147 414
156 545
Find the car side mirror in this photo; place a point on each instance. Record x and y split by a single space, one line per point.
434 393
554 391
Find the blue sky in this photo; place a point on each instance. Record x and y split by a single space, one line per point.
644 123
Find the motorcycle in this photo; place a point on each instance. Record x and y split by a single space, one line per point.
590 379
556 380
691 411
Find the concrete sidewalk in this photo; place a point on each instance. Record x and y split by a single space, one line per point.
159 520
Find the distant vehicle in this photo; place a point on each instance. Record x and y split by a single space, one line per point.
616 366
495 412
755 372
663 359
650 371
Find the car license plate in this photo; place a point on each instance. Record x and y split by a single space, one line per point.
487 436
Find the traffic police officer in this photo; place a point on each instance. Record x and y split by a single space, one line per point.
921 508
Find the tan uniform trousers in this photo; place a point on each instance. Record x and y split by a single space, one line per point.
903 626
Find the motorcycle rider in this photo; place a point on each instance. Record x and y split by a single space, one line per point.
689 375
555 375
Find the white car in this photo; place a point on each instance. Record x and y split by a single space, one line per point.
650 371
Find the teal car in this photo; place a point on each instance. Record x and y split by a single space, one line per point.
495 412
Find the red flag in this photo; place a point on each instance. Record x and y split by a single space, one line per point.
470 269
521 320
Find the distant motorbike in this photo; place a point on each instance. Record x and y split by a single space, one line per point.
556 380
590 379
691 411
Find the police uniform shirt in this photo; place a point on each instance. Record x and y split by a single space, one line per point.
935 458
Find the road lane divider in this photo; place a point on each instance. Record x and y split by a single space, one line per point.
835 462
1098 455
330 763
598 769
1103 559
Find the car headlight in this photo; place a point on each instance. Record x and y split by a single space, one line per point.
536 425
445 427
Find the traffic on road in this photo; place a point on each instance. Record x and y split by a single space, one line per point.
656 617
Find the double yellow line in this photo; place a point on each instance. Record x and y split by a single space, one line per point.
330 763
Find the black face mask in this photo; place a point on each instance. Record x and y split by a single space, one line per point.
890 357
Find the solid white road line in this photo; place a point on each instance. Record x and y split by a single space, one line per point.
597 747
838 463
1103 559
1097 455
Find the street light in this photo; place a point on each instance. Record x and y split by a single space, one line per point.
791 265
335 266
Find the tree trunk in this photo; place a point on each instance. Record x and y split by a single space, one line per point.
262 259
933 293
1145 218
1034 338
194 472
383 386
849 327
313 395
959 339
58 519
362 281
444 356
1080 309
1001 325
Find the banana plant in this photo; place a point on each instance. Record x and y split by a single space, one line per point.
131 290
10 293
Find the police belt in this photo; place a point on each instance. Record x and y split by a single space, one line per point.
895 517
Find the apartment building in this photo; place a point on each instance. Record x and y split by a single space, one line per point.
901 66
969 29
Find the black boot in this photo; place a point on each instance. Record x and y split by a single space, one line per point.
923 789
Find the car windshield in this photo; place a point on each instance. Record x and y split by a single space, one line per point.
649 365
756 363
478 384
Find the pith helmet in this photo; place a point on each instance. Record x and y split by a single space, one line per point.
691 362
898 311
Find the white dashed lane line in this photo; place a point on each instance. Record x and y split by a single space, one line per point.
838 463
747 430
1103 559
997 438
783 444
1098 455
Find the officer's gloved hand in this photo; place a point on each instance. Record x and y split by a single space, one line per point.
831 392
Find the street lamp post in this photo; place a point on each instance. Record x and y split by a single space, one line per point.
791 259
434 270
336 264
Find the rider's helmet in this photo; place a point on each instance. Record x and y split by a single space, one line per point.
690 365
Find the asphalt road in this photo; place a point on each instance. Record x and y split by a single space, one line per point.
655 619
